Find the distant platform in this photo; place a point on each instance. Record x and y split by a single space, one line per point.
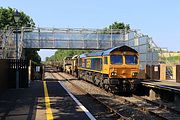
170 85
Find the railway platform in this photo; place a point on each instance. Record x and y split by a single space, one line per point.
22 104
169 85
166 90
42 100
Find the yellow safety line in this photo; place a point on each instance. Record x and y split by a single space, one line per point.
49 114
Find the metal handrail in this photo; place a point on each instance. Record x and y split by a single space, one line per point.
69 36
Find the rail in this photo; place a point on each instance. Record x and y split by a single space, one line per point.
116 113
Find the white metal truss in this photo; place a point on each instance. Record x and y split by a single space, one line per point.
75 38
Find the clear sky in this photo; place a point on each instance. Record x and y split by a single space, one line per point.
159 19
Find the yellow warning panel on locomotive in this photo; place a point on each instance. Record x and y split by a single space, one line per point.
88 63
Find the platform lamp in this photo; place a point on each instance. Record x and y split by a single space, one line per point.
16 19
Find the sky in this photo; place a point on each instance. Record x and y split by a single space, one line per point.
159 19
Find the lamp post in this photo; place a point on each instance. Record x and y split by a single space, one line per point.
16 18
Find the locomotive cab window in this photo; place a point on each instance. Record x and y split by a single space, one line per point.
105 60
116 59
131 59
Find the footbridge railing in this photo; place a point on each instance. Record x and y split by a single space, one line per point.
72 38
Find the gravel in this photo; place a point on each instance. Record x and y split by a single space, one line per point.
125 109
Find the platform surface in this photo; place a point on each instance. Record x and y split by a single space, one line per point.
170 85
29 103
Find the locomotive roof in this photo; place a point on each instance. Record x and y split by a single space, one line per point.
82 55
119 48
95 53
108 51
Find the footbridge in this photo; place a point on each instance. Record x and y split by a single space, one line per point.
72 38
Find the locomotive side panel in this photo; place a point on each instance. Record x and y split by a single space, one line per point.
115 69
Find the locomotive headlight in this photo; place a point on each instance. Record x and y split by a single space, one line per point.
134 74
113 73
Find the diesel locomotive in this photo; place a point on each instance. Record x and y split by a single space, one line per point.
114 69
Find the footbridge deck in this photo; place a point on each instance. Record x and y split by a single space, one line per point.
72 38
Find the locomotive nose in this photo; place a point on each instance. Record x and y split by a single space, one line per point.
123 73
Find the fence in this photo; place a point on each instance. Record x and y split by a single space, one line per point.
22 67
8 73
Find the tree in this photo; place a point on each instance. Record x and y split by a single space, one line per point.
119 25
60 54
116 26
7 21
31 54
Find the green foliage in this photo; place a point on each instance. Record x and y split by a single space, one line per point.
60 54
172 58
7 19
119 25
116 26
31 54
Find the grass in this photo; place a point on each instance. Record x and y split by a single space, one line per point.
173 59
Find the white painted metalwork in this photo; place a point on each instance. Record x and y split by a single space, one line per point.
68 38
7 45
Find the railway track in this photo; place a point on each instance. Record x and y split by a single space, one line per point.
159 111
170 112
121 111
117 115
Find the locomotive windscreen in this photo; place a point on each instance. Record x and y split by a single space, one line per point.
131 59
116 59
